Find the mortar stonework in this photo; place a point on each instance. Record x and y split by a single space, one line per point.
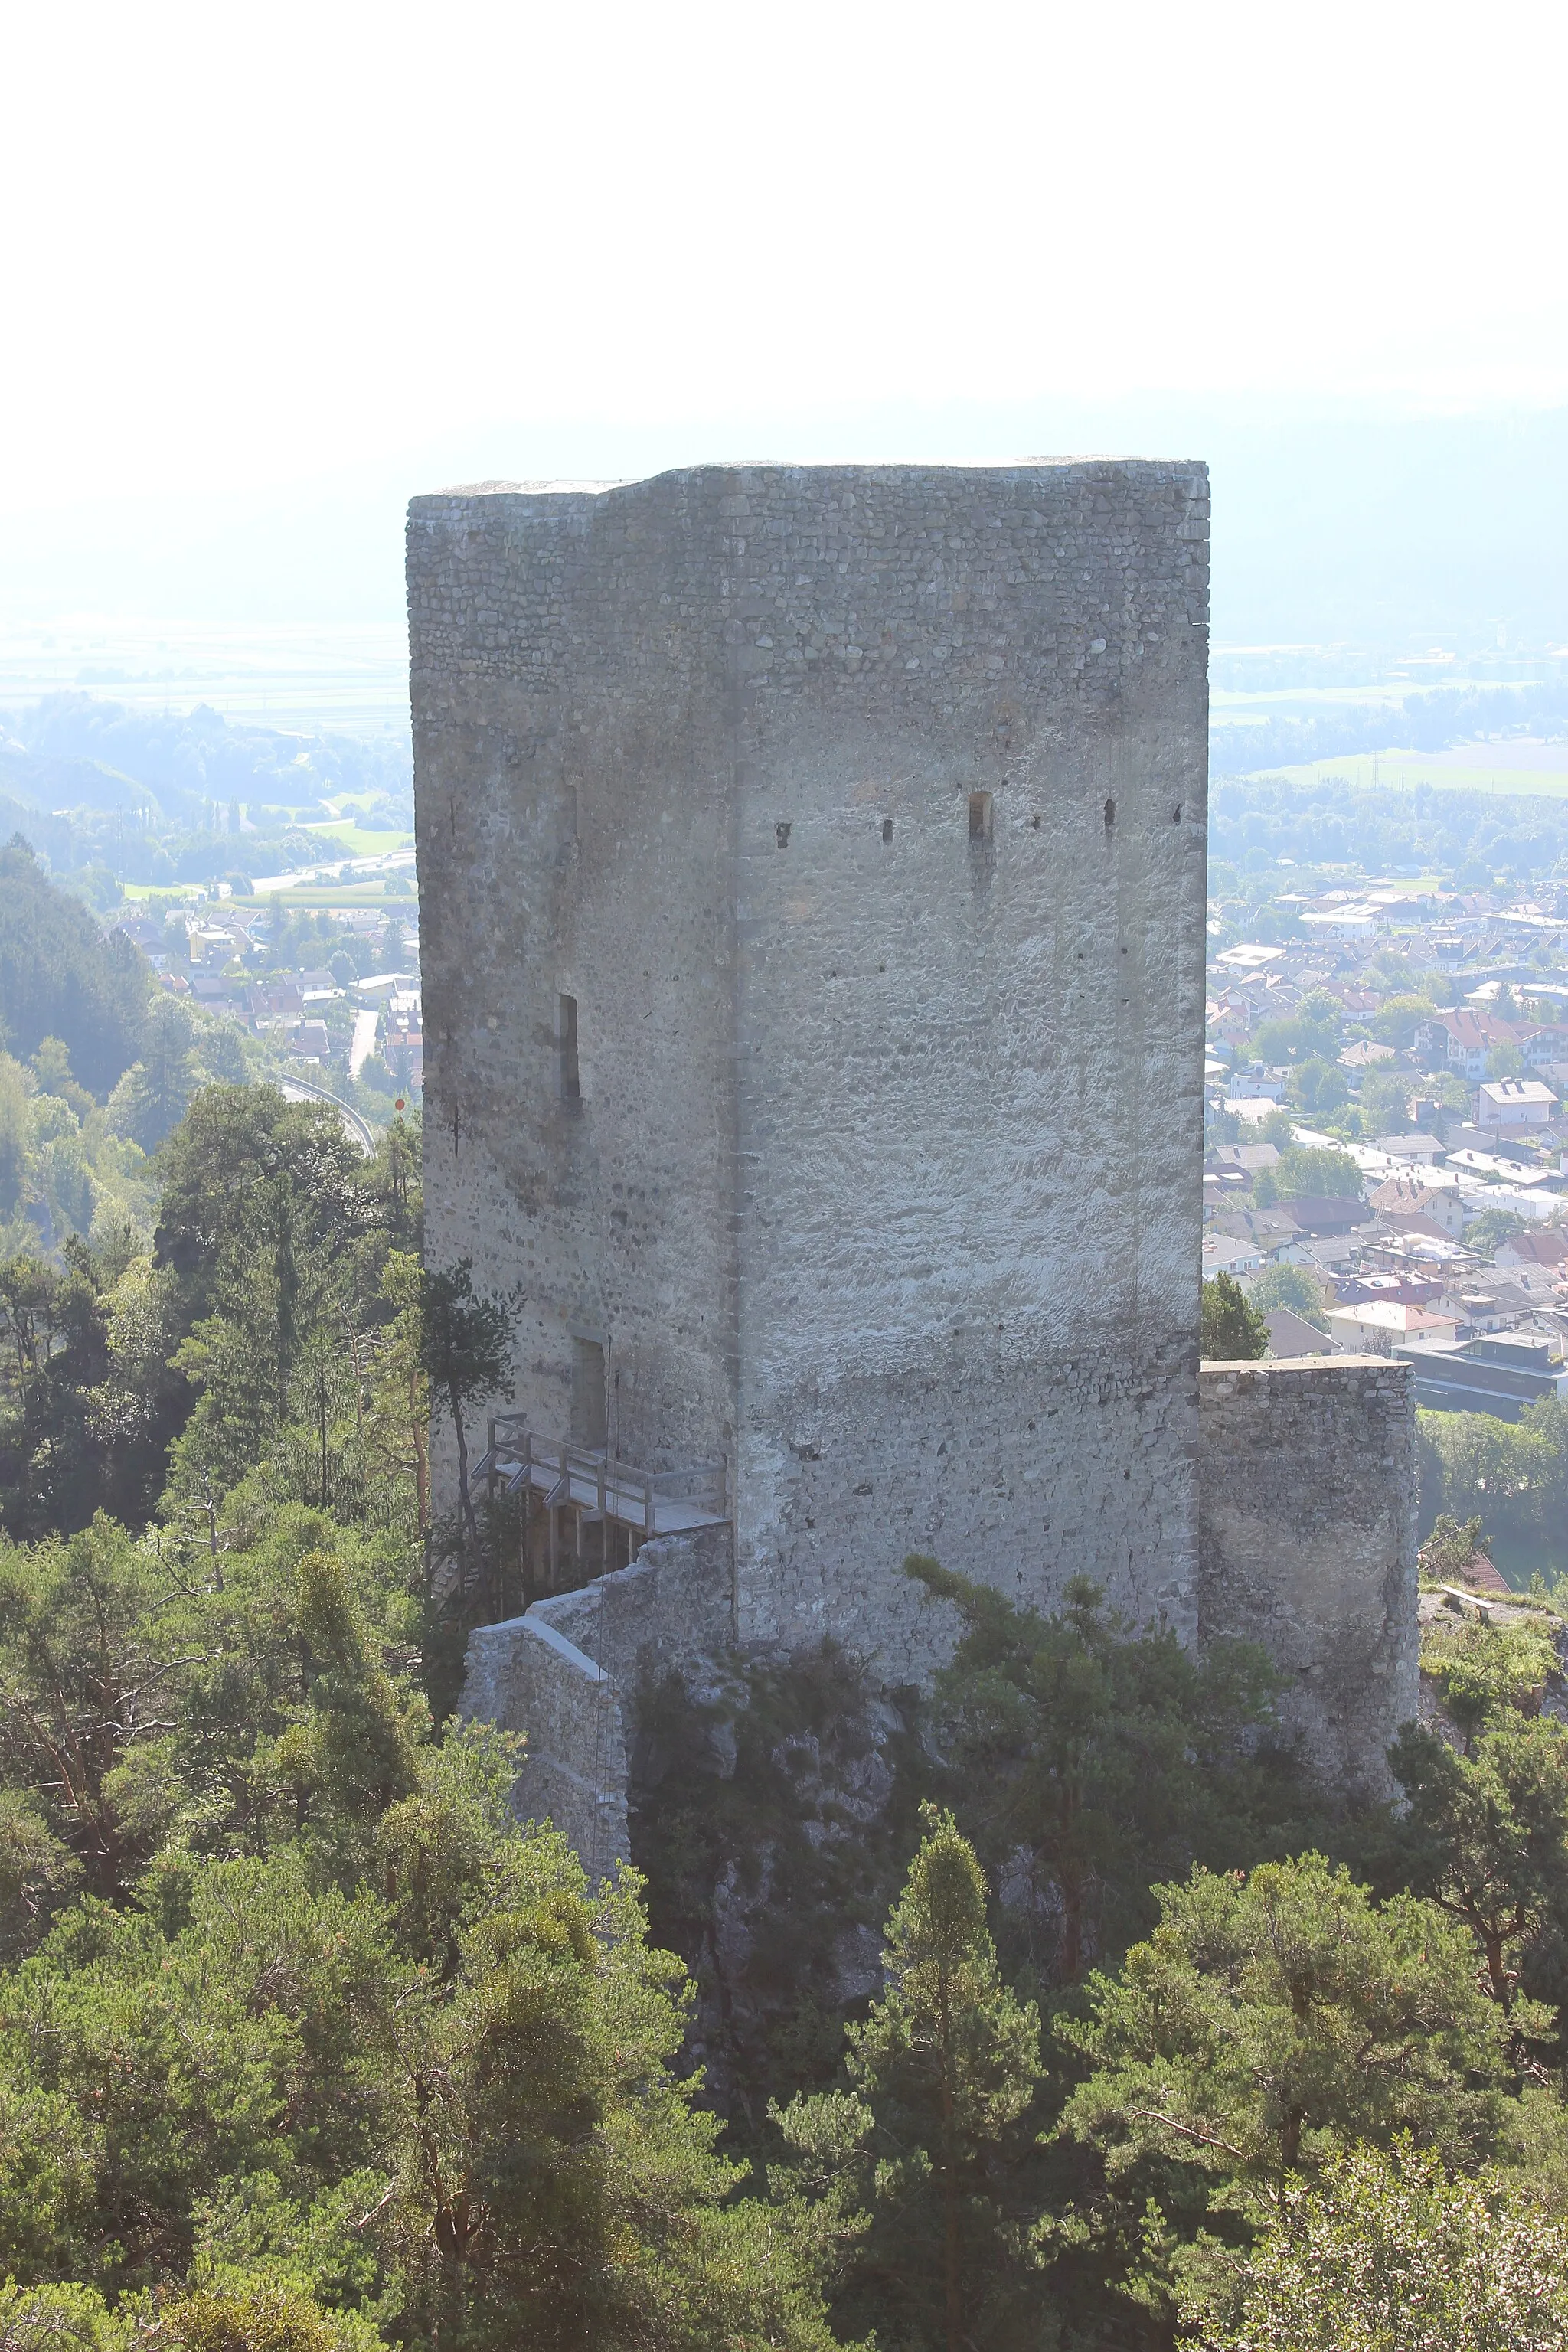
1308 1535
861 812
567 1671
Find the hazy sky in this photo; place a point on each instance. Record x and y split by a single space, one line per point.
249 244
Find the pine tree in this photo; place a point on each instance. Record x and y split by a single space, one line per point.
947 2062
466 1344
398 1434
1392 2255
1231 1330
1486 1835
353 1753
1270 2024
1092 1760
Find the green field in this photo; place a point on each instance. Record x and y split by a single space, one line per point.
343 894
309 894
1403 770
354 837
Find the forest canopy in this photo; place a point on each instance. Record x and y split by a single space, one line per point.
1054 2009
62 976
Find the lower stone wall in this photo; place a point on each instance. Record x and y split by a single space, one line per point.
1022 1478
1306 1533
563 1674
1307 1538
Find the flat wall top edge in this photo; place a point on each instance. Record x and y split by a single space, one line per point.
1316 1367
760 476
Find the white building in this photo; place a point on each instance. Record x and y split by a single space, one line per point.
1379 1324
1514 1103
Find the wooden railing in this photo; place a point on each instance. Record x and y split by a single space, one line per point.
590 1480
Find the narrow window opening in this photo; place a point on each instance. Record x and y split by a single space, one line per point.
1110 814
589 1405
979 816
1176 813
780 834
566 1048
887 828
1035 823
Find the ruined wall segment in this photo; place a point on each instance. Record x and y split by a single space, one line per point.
568 1673
1308 1488
860 811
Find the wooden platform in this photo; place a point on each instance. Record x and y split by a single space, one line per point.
597 1487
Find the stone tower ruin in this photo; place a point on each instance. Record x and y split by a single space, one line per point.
812 878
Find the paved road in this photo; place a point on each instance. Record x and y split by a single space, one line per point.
346 869
364 1044
358 1130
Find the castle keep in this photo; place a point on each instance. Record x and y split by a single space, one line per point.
812 867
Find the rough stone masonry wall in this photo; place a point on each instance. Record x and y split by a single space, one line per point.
1308 1535
526 1676
883 1178
574 796
1308 1498
566 1673
968 1044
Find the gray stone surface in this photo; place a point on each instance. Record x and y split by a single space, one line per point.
565 1673
1306 1543
528 1677
883 1177
859 813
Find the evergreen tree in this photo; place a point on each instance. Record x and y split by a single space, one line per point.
399 1430
1487 1673
239 1360
1231 1328
1450 1549
62 977
1091 1761
466 1345
947 2063
352 1754
276 1360
152 1096
247 2083
54 1351
89 1670
1390 2254
232 1140
256 2317
1270 2024
1486 1836
59 2319
37 1872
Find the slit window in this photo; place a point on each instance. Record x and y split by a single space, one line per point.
589 1419
780 834
979 816
566 1048
887 828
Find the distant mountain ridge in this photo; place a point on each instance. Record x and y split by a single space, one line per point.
74 749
